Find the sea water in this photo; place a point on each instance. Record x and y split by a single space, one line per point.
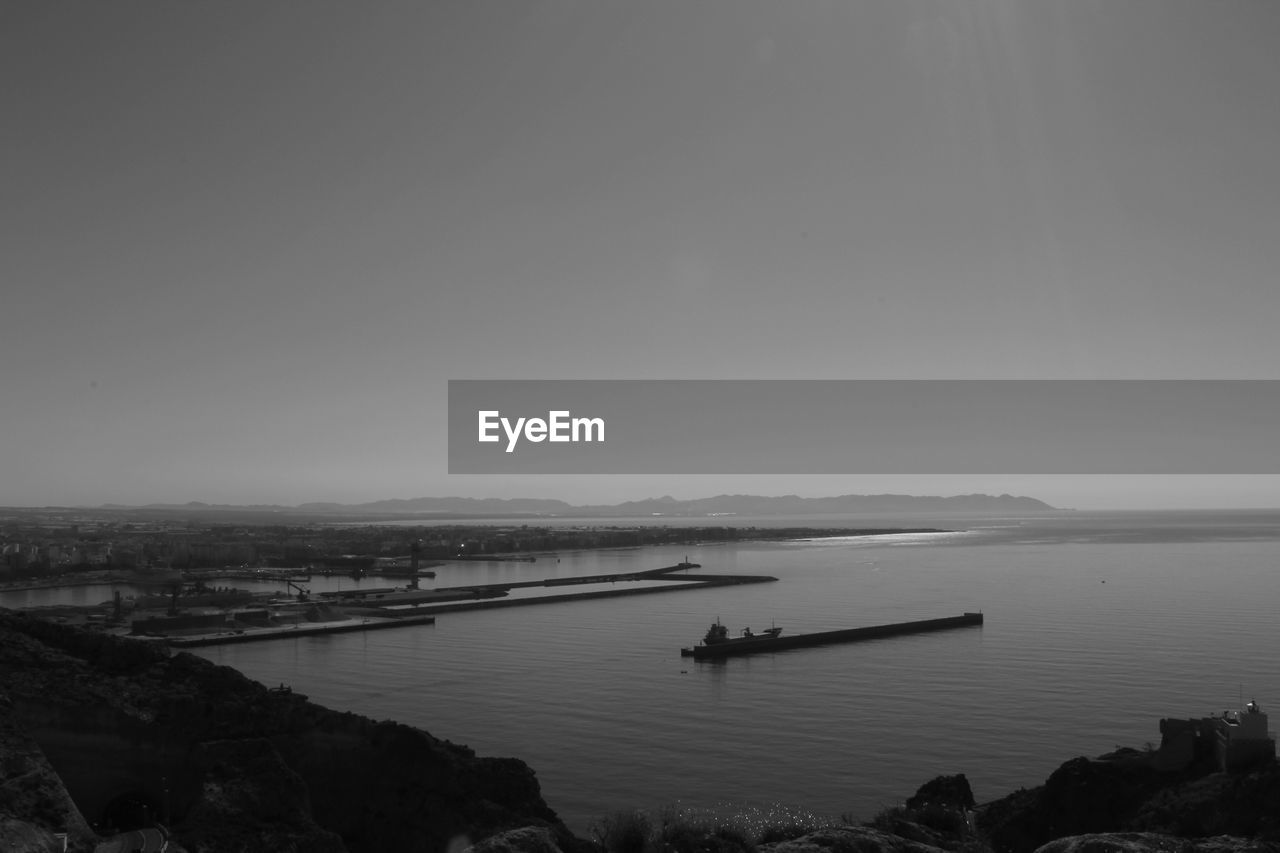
1097 625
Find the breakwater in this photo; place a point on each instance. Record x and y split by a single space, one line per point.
695 582
745 646
277 632
492 596
391 607
491 558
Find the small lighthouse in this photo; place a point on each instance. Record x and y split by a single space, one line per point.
415 554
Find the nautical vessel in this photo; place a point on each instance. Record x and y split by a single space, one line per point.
717 643
718 634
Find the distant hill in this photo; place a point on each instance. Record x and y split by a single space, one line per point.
747 505
842 504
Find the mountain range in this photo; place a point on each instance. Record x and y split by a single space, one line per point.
748 505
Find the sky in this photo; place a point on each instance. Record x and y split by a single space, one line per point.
244 246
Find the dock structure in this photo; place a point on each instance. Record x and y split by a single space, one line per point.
264 575
757 645
393 607
392 596
491 596
492 558
301 629
695 582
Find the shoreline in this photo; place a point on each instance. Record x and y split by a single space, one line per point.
1124 793
311 629
135 577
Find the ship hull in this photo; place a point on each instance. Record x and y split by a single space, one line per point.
756 645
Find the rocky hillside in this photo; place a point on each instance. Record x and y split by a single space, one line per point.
136 735
102 734
1122 793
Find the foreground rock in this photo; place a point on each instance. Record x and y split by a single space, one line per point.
527 840
1119 802
125 735
1148 842
137 736
850 839
868 840
34 804
1123 793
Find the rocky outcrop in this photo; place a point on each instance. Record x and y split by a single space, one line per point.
34 804
119 731
1123 793
251 800
20 836
1082 796
1238 804
867 840
136 735
950 792
850 839
1147 842
527 840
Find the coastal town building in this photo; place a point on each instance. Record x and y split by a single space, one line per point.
1233 741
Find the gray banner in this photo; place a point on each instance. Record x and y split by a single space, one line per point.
636 426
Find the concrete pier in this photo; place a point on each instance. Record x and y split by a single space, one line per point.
695 582
300 629
373 609
489 596
735 647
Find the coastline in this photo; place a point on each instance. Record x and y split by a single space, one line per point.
144 695
958 563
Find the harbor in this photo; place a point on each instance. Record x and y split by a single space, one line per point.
674 578
505 681
343 611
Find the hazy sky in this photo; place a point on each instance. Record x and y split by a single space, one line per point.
244 245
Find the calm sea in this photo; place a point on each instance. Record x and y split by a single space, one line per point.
1096 626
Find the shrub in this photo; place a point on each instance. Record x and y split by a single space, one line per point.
624 832
685 837
940 818
784 832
